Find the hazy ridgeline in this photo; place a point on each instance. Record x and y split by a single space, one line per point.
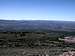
36 25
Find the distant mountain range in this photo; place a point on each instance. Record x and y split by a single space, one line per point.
36 25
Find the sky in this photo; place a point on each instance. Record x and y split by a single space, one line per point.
37 10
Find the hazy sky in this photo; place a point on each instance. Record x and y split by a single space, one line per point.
37 9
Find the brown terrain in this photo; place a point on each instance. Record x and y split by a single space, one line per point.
33 44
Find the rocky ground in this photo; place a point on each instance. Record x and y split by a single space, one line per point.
54 51
33 44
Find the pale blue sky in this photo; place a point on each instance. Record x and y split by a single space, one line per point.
37 10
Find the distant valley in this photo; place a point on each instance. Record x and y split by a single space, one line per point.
36 25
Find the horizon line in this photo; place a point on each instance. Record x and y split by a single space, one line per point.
34 20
